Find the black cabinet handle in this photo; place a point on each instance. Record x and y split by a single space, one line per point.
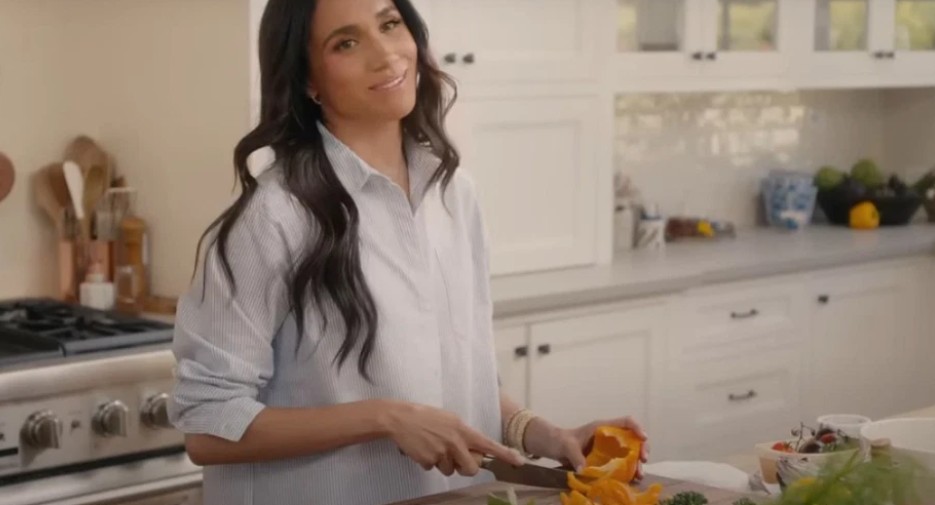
698 56
891 55
880 55
545 349
469 58
711 56
451 58
824 299
744 315
742 398
521 351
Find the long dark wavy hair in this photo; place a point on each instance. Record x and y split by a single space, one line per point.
330 270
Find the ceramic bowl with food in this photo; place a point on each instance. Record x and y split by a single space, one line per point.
805 454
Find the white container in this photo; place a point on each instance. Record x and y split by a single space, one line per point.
849 424
96 293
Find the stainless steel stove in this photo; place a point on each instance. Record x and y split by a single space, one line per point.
83 418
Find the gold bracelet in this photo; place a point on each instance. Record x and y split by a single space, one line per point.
515 431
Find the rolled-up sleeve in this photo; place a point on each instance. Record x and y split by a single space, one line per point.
223 341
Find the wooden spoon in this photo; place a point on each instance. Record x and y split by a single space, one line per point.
87 154
95 185
48 197
7 176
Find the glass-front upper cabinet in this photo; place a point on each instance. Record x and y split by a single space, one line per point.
656 40
849 42
912 51
748 38
702 42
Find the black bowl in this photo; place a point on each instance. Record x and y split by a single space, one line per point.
894 210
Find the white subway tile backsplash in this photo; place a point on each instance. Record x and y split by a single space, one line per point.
704 153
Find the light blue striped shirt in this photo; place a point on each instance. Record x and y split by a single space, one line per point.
428 270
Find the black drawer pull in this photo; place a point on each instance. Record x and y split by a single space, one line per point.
744 315
451 58
521 352
742 398
545 349
711 56
469 58
698 56
824 299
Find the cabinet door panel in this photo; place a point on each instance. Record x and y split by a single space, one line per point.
520 40
594 367
536 166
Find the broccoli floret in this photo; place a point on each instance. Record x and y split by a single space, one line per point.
686 498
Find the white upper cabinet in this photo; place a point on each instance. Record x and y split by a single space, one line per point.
535 162
497 42
699 44
846 41
748 39
723 45
912 46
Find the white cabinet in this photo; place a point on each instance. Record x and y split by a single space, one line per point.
512 348
857 351
596 366
707 44
845 43
536 162
728 407
497 42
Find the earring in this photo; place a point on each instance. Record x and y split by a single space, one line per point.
315 99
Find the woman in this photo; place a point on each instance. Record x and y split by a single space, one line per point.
361 246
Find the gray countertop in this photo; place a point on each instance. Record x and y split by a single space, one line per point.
758 252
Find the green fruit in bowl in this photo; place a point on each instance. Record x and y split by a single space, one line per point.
867 173
828 178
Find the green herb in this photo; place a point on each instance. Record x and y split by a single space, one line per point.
851 481
685 498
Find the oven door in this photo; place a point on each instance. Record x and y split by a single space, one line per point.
174 492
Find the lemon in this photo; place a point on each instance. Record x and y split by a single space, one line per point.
864 216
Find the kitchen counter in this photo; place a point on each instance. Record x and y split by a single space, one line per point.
754 253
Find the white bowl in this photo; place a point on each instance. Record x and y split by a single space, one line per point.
911 437
773 461
849 424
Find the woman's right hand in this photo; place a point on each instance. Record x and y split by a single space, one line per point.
437 438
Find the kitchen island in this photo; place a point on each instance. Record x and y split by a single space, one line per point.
746 461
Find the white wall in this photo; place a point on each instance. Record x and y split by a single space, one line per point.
705 153
910 131
173 101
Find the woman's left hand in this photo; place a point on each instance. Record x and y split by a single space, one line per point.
568 446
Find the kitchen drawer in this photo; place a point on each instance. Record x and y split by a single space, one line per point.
719 322
734 406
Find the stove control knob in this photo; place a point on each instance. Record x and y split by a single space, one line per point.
43 430
155 413
111 419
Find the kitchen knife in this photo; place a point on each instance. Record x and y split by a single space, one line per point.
528 474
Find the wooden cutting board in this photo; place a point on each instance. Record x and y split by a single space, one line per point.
477 495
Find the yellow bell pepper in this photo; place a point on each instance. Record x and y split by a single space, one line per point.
864 216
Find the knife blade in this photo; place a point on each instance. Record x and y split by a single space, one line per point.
528 474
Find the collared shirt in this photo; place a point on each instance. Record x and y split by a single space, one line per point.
425 262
